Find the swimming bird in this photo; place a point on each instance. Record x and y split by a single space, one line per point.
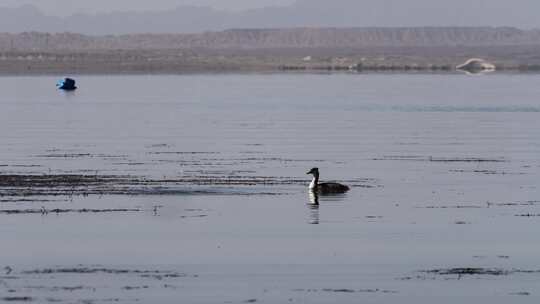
325 188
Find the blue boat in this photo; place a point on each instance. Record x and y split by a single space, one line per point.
66 84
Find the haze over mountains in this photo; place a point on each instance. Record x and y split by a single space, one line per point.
272 39
304 13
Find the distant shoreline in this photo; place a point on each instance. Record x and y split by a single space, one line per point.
311 50
62 73
259 72
16 68
307 60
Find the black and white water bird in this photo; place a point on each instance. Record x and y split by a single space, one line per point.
325 188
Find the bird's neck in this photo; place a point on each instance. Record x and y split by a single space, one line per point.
314 182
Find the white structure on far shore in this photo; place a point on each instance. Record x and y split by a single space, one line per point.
476 64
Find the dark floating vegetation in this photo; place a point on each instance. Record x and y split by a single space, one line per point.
98 278
487 172
346 290
181 152
498 256
521 293
469 271
194 216
28 200
59 211
442 159
155 274
17 299
135 287
47 180
452 207
25 185
486 205
339 290
477 271
528 215
527 203
65 155
60 288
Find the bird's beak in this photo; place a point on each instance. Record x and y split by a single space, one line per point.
309 172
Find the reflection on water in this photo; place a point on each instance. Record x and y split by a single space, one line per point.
313 198
314 216
314 204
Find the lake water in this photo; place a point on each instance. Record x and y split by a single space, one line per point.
444 205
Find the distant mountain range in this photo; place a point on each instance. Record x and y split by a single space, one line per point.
304 13
249 39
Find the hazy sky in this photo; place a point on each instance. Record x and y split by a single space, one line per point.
519 13
66 7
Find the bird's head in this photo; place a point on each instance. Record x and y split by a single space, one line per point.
314 171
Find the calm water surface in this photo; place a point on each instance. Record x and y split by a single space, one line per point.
441 167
